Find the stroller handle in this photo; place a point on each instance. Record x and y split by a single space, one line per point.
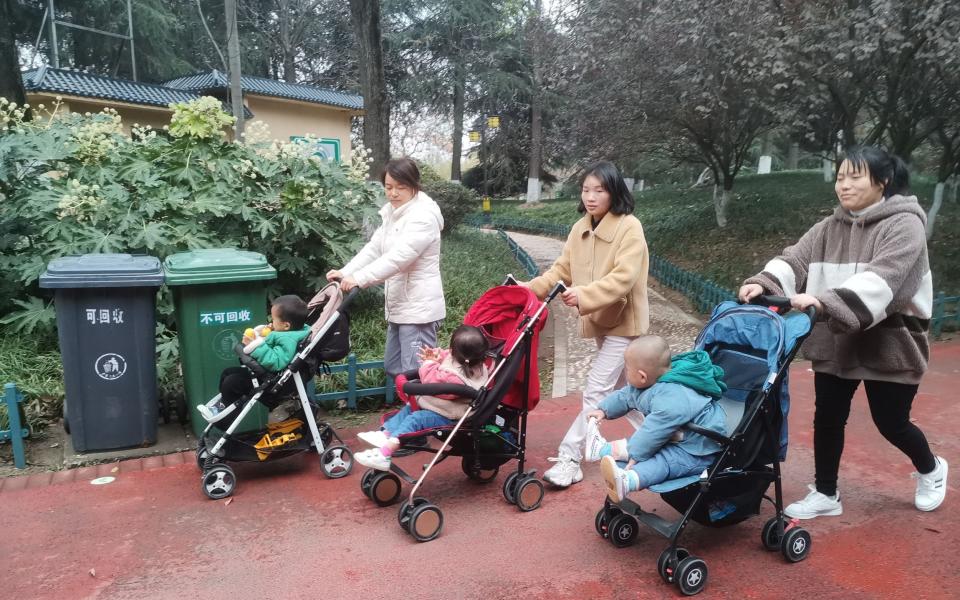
781 305
557 289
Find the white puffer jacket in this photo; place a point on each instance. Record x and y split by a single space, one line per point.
404 254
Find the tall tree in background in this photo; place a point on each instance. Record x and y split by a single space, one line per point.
451 49
535 45
11 84
365 15
233 61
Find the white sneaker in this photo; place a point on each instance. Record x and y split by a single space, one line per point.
815 505
615 478
377 438
565 473
932 487
594 443
216 412
373 459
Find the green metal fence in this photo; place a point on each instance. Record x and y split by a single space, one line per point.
12 425
521 255
352 393
946 314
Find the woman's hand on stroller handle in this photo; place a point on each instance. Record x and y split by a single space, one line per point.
559 288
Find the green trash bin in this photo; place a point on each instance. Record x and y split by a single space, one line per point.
217 293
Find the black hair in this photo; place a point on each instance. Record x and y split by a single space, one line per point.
404 171
621 200
885 169
292 309
469 346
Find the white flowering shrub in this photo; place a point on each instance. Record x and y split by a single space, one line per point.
74 184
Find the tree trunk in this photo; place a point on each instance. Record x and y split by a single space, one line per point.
459 90
721 204
935 208
536 113
11 83
233 60
365 15
289 70
536 148
827 165
793 156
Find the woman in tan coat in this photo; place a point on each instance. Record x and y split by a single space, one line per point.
604 266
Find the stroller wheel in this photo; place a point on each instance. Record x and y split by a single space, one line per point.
426 521
477 474
336 462
691 575
769 535
203 455
403 515
384 488
365 482
667 567
795 544
529 493
604 516
623 530
509 488
218 482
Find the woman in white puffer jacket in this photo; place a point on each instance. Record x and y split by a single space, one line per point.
404 255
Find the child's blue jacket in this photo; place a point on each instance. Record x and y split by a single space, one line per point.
666 407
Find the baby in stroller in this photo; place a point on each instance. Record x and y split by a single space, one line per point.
274 352
463 364
670 392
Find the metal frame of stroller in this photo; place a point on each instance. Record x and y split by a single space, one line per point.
218 479
619 522
419 517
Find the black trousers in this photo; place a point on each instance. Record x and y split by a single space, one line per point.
235 383
890 408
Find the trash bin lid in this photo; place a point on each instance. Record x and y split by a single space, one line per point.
216 265
103 271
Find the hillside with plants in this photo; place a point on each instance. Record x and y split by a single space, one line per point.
768 212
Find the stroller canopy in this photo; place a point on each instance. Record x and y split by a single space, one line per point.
755 327
504 313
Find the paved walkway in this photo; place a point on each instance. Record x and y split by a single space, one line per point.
572 353
290 533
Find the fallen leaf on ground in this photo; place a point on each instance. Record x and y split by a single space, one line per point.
115 469
227 503
933 530
93 572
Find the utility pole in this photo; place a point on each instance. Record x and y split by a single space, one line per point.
233 59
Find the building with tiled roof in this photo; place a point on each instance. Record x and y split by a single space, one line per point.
290 110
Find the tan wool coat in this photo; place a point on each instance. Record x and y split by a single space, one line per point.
608 268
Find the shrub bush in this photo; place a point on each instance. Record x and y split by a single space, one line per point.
72 184
455 201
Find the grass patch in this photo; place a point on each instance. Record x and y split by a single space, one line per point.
33 363
768 213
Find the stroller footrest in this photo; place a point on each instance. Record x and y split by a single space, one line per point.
651 520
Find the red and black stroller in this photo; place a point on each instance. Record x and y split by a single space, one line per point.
493 430
328 341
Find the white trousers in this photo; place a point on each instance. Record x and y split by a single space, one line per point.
606 375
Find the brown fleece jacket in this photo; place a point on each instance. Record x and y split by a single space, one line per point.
872 276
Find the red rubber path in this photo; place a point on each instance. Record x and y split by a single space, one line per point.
290 533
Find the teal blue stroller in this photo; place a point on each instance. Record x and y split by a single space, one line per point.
754 345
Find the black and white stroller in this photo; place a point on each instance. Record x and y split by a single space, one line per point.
328 341
755 346
493 430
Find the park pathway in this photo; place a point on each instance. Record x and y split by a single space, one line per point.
573 354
